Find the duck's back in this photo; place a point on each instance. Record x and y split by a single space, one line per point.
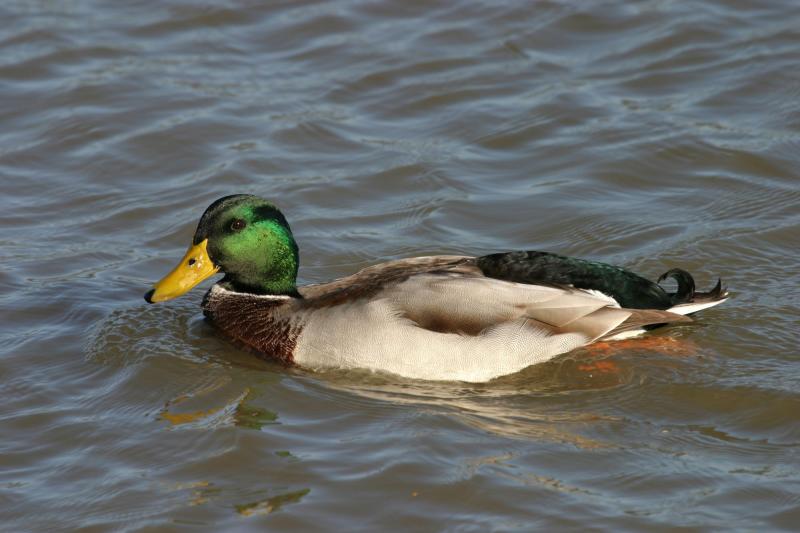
443 318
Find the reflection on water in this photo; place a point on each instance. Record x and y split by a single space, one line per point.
272 504
499 412
648 134
201 493
535 403
234 412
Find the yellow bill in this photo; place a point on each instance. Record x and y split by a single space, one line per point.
193 268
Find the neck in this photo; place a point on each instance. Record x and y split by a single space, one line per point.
223 289
268 288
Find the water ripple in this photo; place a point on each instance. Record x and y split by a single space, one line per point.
650 134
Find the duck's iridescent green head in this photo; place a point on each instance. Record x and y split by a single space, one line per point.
246 238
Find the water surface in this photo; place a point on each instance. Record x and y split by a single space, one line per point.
648 134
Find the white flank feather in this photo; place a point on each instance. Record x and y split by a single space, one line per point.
514 325
685 309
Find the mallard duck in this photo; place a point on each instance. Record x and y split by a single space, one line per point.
447 317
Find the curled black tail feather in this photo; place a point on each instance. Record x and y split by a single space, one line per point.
685 292
717 293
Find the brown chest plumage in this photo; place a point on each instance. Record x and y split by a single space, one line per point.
256 323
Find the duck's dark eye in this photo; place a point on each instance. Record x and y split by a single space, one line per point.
238 224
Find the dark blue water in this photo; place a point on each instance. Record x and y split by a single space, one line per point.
649 134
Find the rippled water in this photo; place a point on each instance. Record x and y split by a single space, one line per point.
649 134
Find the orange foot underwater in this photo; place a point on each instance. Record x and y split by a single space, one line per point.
660 345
